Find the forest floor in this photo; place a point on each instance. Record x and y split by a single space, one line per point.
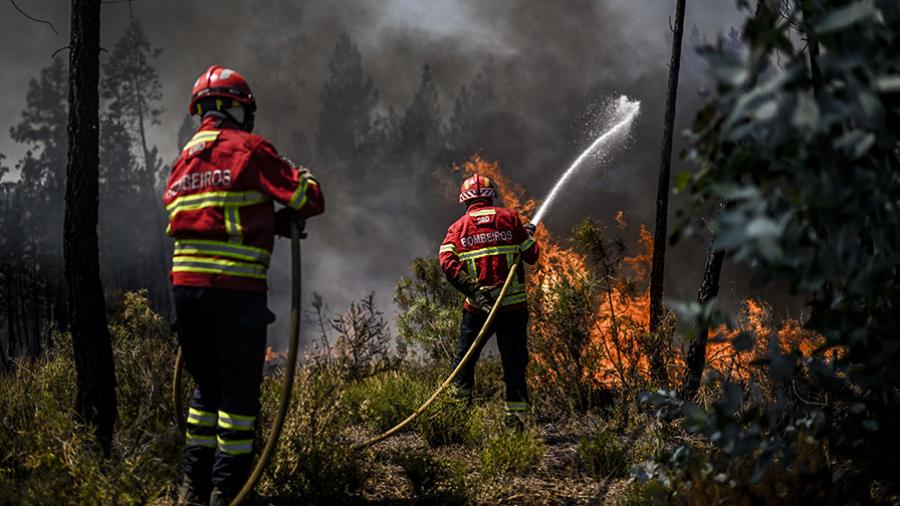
555 479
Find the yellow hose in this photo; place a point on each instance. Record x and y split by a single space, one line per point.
286 386
475 344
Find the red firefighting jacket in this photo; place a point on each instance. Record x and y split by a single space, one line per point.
484 242
220 203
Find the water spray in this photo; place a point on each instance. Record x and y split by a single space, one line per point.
624 113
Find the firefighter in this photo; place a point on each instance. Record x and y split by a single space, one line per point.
476 255
220 200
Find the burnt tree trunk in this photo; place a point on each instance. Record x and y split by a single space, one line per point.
96 396
660 233
696 356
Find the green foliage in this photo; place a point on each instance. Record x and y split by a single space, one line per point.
604 453
804 153
450 420
49 458
429 310
315 460
511 451
384 400
562 319
642 493
435 481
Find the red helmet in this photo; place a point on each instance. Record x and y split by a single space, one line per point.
477 187
221 82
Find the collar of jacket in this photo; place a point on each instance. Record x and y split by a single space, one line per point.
478 205
216 119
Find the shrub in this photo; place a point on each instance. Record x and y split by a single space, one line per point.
315 460
363 343
604 453
642 493
384 400
511 452
791 137
451 420
49 458
429 310
434 481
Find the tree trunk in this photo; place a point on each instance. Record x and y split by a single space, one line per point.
815 71
696 356
96 396
660 233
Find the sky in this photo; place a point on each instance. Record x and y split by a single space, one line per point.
560 58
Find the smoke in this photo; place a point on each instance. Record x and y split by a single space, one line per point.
549 62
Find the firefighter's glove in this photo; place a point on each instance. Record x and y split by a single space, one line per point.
283 220
465 284
486 297
530 228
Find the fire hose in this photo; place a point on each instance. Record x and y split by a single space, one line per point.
288 381
482 334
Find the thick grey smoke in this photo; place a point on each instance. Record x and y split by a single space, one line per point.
553 59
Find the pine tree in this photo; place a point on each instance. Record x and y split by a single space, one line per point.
123 251
420 131
43 130
474 101
132 89
345 119
37 202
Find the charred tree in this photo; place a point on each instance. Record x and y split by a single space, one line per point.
660 233
696 356
96 383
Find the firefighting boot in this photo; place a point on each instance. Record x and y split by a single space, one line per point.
220 498
513 423
190 496
463 394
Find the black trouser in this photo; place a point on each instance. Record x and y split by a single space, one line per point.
223 336
512 340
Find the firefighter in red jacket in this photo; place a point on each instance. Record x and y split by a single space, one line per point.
219 198
476 256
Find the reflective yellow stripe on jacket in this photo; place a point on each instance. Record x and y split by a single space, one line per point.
185 263
516 293
204 247
202 137
215 199
490 251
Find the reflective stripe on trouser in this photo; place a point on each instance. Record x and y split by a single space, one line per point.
512 341
200 444
235 433
513 407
